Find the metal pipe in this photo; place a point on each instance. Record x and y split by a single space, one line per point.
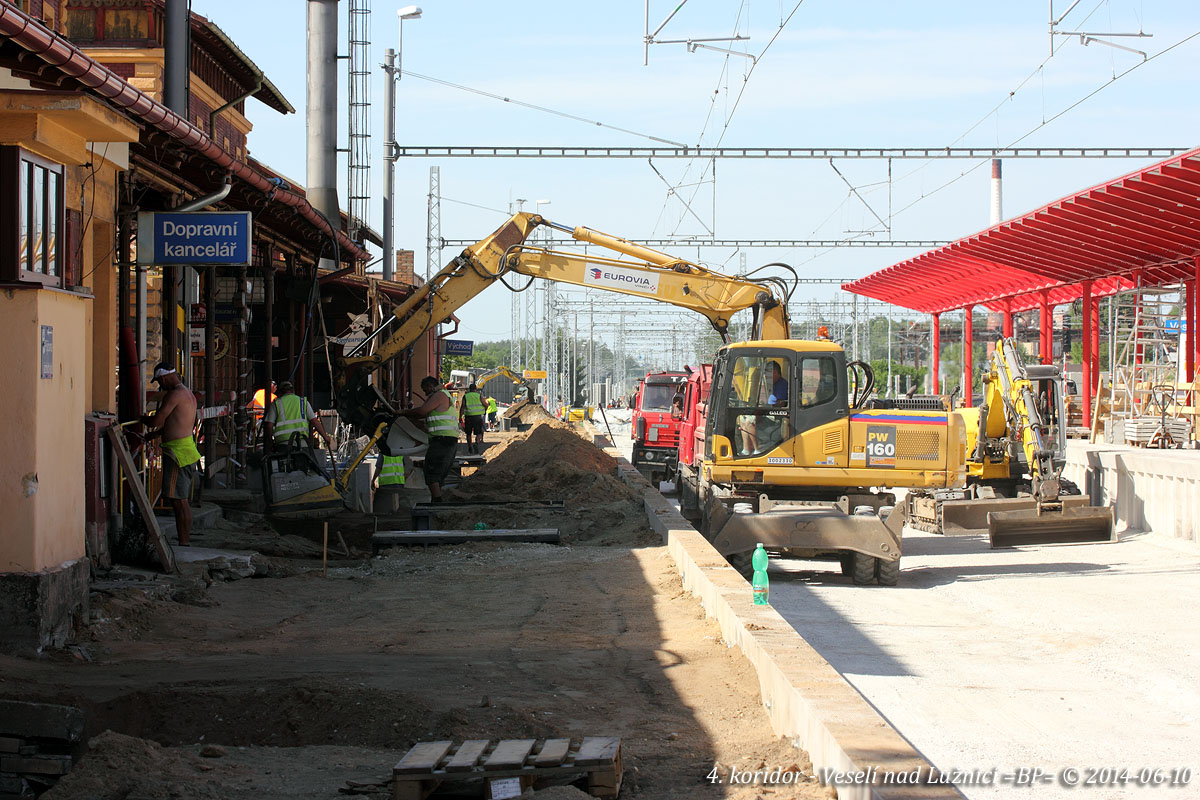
176 56
210 372
322 106
389 160
204 202
212 117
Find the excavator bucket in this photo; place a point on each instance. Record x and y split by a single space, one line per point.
970 517
1070 525
807 529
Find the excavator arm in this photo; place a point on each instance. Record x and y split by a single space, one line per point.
1037 428
1040 438
649 273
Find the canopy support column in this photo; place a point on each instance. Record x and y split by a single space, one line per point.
1088 321
968 356
1045 328
1193 341
1008 319
936 351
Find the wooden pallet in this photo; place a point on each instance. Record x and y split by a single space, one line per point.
506 767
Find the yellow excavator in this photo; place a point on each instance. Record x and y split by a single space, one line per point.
1016 448
518 380
794 446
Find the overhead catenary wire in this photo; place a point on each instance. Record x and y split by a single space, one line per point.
534 107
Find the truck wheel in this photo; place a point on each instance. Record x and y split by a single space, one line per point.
887 572
864 569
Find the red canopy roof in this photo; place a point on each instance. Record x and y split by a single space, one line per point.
1147 221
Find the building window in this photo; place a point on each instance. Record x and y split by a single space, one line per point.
31 222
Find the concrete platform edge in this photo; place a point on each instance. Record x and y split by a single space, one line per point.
805 697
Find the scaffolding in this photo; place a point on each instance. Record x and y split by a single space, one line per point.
358 179
1144 348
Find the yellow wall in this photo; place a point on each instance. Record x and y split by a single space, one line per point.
42 472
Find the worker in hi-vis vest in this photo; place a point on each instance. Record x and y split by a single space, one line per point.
290 414
492 409
389 481
442 425
470 413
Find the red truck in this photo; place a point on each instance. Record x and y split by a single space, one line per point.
658 412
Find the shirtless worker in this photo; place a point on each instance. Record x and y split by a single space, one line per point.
441 422
174 420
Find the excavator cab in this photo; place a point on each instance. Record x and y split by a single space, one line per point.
767 394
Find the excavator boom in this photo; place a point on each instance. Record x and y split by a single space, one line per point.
648 273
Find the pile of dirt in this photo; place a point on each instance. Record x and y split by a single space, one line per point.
550 462
532 414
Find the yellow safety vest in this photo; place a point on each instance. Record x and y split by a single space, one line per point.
443 423
289 416
492 405
474 404
392 473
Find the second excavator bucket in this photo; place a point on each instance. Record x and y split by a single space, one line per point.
1066 525
970 517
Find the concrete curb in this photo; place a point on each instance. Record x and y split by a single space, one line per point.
805 697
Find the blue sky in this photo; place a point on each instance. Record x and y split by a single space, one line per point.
840 74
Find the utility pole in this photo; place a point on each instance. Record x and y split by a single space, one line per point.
389 161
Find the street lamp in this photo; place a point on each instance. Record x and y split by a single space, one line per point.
391 68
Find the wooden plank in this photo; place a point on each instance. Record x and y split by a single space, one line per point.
597 751
404 538
467 756
423 757
166 556
509 754
553 752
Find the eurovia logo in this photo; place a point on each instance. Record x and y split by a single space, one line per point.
617 278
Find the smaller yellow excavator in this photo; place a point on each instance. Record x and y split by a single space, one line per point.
1015 451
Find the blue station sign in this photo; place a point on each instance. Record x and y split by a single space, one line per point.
457 347
194 237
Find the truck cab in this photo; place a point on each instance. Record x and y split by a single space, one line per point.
658 415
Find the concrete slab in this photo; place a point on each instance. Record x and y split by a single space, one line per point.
1050 658
205 516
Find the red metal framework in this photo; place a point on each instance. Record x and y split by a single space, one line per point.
1139 229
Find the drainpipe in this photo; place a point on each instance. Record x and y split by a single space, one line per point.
212 117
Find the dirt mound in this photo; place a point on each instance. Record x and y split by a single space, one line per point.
550 462
532 414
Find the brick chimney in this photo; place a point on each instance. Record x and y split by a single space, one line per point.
404 268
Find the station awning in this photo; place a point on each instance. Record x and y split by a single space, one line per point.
1140 229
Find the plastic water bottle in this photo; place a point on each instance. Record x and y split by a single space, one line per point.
761 586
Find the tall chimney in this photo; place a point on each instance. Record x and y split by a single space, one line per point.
322 107
997 212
